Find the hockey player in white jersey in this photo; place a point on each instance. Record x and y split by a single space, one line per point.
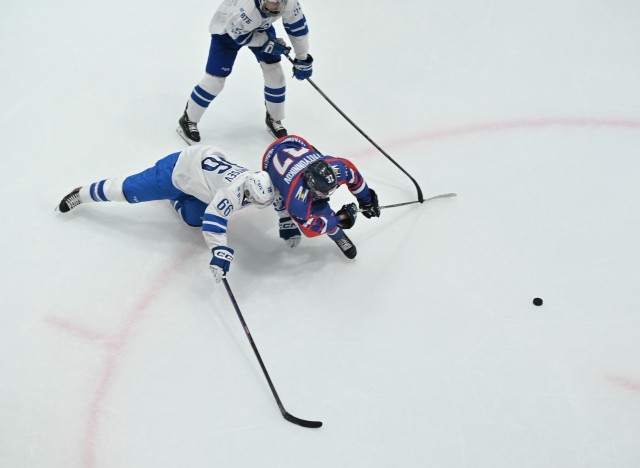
203 186
239 23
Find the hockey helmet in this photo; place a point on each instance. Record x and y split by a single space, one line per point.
258 189
320 177
272 7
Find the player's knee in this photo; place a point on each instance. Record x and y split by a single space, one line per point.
190 214
212 84
273 74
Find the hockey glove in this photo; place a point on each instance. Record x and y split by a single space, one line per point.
289 231
371 209
276 46
221 261
303 69
347 215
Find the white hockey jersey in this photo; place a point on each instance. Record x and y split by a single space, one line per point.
243 21
207 174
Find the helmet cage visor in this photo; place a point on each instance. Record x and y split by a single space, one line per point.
272 7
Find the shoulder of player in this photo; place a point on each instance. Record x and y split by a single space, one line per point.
292 9
298 199
234 196
342 167
246 15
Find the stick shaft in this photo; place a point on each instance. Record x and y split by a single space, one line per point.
444 195
317 88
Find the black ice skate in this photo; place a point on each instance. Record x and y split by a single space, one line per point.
70 201
275 127
187 129
347 247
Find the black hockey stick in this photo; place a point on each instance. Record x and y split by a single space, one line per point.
420 197
444 195
285 414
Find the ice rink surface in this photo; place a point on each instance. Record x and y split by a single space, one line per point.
117 350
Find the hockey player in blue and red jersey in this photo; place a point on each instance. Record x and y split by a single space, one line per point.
304 180
240 23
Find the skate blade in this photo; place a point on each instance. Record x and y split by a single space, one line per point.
188 140
274 135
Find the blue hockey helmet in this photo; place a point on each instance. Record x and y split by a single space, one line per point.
272 7
320 177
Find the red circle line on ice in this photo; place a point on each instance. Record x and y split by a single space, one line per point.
501 126
117 343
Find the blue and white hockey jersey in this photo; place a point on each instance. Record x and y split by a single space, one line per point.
243 21
205 173
285 161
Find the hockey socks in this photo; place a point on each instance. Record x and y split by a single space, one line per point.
103 191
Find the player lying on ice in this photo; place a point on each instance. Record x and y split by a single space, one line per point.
304 180
203 186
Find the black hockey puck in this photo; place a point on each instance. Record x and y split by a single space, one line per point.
537 301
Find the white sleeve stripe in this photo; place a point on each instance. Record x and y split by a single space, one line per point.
274 94
355 192
211 223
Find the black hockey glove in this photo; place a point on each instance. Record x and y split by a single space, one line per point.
347 215
371 209
289 231
276 46
303 69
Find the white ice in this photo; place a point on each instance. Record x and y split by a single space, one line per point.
117 350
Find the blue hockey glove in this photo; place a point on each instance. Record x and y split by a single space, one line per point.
276 46
347 215
221 261
371 209
303 69
289 231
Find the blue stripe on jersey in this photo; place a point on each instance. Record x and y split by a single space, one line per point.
208 227
299 28
274 94
215 219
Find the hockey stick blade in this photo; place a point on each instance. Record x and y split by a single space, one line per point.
285 414
444 195
301 422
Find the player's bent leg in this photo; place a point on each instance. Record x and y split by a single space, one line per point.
344 243
190 209
222 55
274 97
274 89
203 95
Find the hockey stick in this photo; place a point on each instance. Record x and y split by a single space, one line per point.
444 195
420 197
285 414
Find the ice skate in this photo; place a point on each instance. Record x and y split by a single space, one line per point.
70 201
347 247
188 129
275 127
